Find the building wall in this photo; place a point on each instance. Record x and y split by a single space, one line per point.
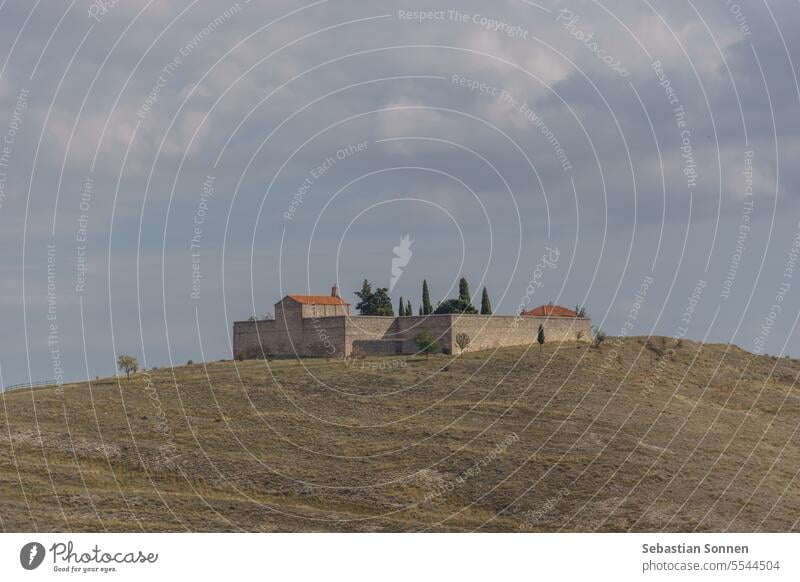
324 310
339 336
296 330
324 336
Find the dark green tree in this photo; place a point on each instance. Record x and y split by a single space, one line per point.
460 305
540 336
486 305
454 306
427 308
364 306
409 311
375 302
382 302
420 309
463 291
580 311
401 307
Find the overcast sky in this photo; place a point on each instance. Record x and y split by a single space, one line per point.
168 167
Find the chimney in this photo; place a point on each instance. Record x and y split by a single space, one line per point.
334 291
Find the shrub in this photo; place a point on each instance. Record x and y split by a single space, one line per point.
427 343
462 341
599 336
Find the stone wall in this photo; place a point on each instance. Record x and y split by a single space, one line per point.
254 339
439 326
361 332
290 334
494 331
377 347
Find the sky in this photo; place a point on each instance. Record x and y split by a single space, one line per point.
169 167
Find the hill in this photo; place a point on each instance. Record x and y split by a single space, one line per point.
641 434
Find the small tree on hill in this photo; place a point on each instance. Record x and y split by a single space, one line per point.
409 311
486 305
401 307
462 341
598 336
580 311
127 364
426 343
427 308
540 336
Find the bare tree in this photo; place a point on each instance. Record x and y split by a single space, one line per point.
462 341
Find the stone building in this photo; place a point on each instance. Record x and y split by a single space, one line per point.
321 326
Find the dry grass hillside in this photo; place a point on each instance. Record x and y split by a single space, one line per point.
638 435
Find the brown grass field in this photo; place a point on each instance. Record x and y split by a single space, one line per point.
639 435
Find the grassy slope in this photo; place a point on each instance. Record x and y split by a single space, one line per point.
338 448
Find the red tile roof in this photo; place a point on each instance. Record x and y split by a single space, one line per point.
550 311
318 299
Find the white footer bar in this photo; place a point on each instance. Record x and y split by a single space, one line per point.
389 557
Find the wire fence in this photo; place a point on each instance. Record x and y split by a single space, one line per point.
27 385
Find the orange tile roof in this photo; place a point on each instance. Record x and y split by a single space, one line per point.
318 299
550 311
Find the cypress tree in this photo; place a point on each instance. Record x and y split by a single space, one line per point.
401 308
486 305
420 309
365 306
427 308
409 311
540 336
463 291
